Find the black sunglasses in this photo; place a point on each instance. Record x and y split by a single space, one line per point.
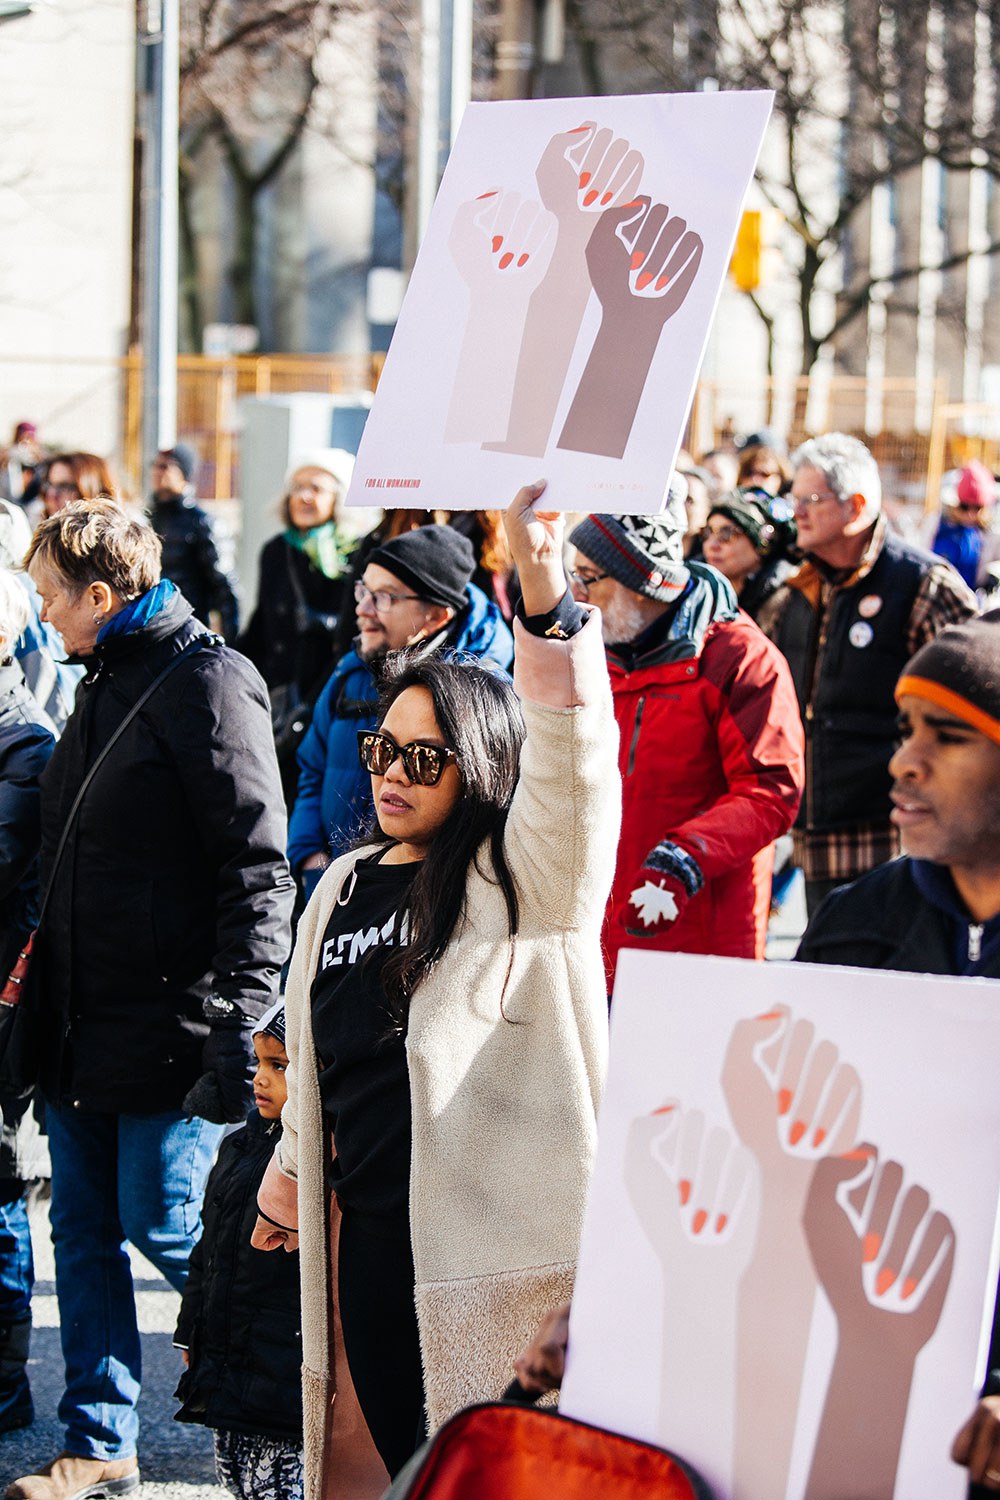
424 764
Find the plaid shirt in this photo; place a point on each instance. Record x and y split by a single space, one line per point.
942 599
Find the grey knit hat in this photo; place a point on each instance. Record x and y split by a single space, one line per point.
645 553
272 1023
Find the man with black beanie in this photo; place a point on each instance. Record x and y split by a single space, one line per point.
415 592
936 910
190 556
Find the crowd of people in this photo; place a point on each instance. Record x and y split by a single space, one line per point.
462 761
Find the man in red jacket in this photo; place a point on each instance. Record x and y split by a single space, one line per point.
711 741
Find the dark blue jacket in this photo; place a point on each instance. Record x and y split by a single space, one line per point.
240 1317
334 803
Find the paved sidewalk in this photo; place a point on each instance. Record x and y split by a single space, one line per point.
175 1458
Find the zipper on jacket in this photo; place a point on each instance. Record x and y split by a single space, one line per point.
822 622
635 735
975 941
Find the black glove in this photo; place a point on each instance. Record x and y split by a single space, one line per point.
224 1092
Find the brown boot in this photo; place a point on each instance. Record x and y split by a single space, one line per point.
70 1477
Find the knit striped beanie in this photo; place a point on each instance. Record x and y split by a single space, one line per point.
645 553
959 671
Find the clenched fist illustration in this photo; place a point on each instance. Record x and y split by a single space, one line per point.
643 261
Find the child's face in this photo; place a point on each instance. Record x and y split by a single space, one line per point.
269 1088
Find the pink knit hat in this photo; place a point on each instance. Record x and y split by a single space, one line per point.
976 485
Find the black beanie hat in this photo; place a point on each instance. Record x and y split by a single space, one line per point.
436 562
184 456
959 671
749 508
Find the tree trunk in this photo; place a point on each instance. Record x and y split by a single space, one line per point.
191 312
243 263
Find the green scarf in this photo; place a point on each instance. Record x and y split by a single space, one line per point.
324 546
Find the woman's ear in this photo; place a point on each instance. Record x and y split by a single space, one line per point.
102 596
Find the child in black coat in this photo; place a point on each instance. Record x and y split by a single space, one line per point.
240 1321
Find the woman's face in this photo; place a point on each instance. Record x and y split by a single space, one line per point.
763 474
406 811
312 496
73 615
729 549
60 489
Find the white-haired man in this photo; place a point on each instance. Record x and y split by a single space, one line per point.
862 603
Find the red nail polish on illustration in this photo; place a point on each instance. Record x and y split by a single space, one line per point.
684 1189
522 260
871 1248
784 1101
637 259
721 1223
505 260
491 194
797 1131
642 282
584 179
699 1221
662 283
607 198
589 198
497 242
884 1280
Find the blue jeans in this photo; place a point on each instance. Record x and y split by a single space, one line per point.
115 1178
17 1266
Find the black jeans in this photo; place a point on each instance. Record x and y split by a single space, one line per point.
375 1291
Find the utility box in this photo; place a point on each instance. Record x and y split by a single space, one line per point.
276 432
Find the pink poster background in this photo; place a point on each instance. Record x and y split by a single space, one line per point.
560 304
789 1258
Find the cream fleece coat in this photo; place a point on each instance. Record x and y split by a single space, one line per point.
504 1081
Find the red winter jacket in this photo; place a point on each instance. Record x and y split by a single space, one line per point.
711 758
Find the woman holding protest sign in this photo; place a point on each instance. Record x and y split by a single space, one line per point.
447 1023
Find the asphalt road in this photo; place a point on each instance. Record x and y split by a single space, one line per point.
175 1458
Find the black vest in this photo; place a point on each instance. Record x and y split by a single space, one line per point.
845 661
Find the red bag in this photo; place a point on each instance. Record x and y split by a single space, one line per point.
508 1452
14 988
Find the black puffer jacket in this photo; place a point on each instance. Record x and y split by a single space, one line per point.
25 747
240 1318
174 881
290 636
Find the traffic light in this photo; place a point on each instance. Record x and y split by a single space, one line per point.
755 257
745 264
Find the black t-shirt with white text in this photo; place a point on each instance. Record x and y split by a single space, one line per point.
363 1078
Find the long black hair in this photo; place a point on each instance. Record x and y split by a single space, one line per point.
479 716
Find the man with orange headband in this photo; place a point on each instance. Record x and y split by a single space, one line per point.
937 910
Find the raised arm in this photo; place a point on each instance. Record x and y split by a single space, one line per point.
563 826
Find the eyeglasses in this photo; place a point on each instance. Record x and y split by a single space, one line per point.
61 489
584 580
381 598
424 764
722 534
806 502
310 487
